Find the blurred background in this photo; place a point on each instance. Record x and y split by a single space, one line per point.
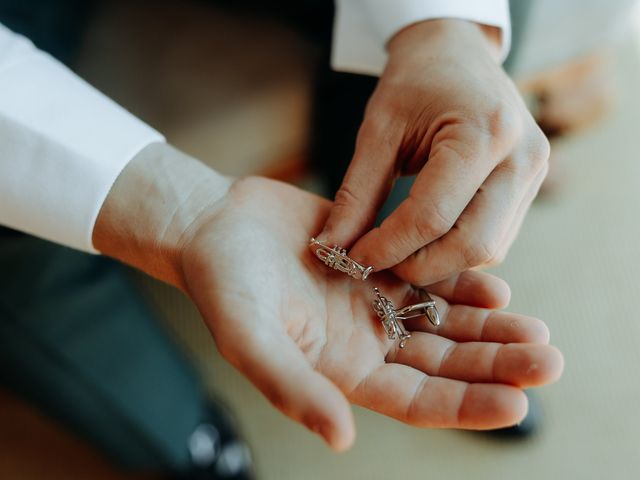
235 87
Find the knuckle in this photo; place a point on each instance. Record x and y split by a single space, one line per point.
465 151
373 126
543 173
381 115
479 252
533 157
504 123
412 270
386 102
429 227
381 127
345 197
395 249
496 259
540 148
432 223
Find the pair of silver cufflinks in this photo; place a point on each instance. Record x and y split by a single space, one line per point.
336 257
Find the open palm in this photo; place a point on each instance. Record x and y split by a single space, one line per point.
309 339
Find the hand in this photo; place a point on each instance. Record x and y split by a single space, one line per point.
445 110
306 335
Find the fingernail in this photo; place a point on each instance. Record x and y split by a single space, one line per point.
323 236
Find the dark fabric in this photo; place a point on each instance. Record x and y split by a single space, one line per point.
53 26
339 98
77 341
340 101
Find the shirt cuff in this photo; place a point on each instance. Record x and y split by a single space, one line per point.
62 145
362 28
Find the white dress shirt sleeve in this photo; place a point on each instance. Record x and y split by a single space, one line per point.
62 145
362 28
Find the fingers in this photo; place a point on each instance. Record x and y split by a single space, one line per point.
365 186
477 238
473 288
459 162
435 233
413 397
470 324
523 208
276 366
520 364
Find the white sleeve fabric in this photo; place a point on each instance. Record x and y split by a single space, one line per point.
62 145
362 28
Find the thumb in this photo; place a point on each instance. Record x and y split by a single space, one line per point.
276 366
365 187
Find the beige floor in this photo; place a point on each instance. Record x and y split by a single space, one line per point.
575 265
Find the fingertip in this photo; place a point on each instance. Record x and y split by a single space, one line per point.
370 249
512 406
502 293
330 233
473 288
342 438
491 406
528 365
486 290
342 433
338 431
329 415
539 332
554 364
298 391
323 236
519 406
336 232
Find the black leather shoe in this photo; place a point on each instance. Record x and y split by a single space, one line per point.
217 450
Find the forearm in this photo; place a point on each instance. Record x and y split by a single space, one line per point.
153 206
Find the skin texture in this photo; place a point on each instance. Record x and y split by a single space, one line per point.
443 110
305 335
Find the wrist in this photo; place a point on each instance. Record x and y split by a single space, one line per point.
446 35
154 206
